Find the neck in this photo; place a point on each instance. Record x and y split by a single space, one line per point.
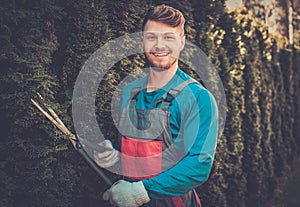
157 79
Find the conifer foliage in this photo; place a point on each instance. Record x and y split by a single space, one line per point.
44 45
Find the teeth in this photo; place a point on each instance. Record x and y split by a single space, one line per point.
160 54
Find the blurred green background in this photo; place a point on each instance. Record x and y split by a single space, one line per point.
254 45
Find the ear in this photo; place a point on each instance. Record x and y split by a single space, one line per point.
182 40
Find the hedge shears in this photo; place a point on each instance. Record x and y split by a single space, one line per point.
79 147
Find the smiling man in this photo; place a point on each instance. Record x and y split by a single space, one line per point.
162 48
168 127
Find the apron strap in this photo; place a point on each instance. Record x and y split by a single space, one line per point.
165 99
135 92
137 89
168 97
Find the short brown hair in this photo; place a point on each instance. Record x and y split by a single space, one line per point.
165 14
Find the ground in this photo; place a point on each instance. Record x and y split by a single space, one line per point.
291 195
288 193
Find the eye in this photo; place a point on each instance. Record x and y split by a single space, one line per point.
151 37
169 37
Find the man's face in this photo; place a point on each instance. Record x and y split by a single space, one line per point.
162 44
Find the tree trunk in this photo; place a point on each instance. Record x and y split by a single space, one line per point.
277 16
296 22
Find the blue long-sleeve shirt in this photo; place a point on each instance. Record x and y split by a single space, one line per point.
194 129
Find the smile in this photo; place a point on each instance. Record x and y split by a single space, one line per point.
160 54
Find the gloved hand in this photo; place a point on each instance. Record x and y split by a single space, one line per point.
109 157
127 194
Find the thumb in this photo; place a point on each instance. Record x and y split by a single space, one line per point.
106 195
107 144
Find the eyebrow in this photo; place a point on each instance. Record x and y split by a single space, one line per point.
169 33
154 33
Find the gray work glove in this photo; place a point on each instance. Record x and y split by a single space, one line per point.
109 157
127 194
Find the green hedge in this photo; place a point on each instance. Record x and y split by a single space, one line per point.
43 47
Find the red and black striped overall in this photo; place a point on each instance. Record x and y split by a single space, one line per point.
146 145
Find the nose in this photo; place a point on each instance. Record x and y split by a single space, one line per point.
159 43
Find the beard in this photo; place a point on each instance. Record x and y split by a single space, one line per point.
161 66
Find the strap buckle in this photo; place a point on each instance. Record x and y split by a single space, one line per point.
170 95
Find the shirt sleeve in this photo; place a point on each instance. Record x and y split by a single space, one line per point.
200 131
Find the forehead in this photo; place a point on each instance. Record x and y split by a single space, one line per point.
154 27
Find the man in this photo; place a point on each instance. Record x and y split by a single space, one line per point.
168 125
